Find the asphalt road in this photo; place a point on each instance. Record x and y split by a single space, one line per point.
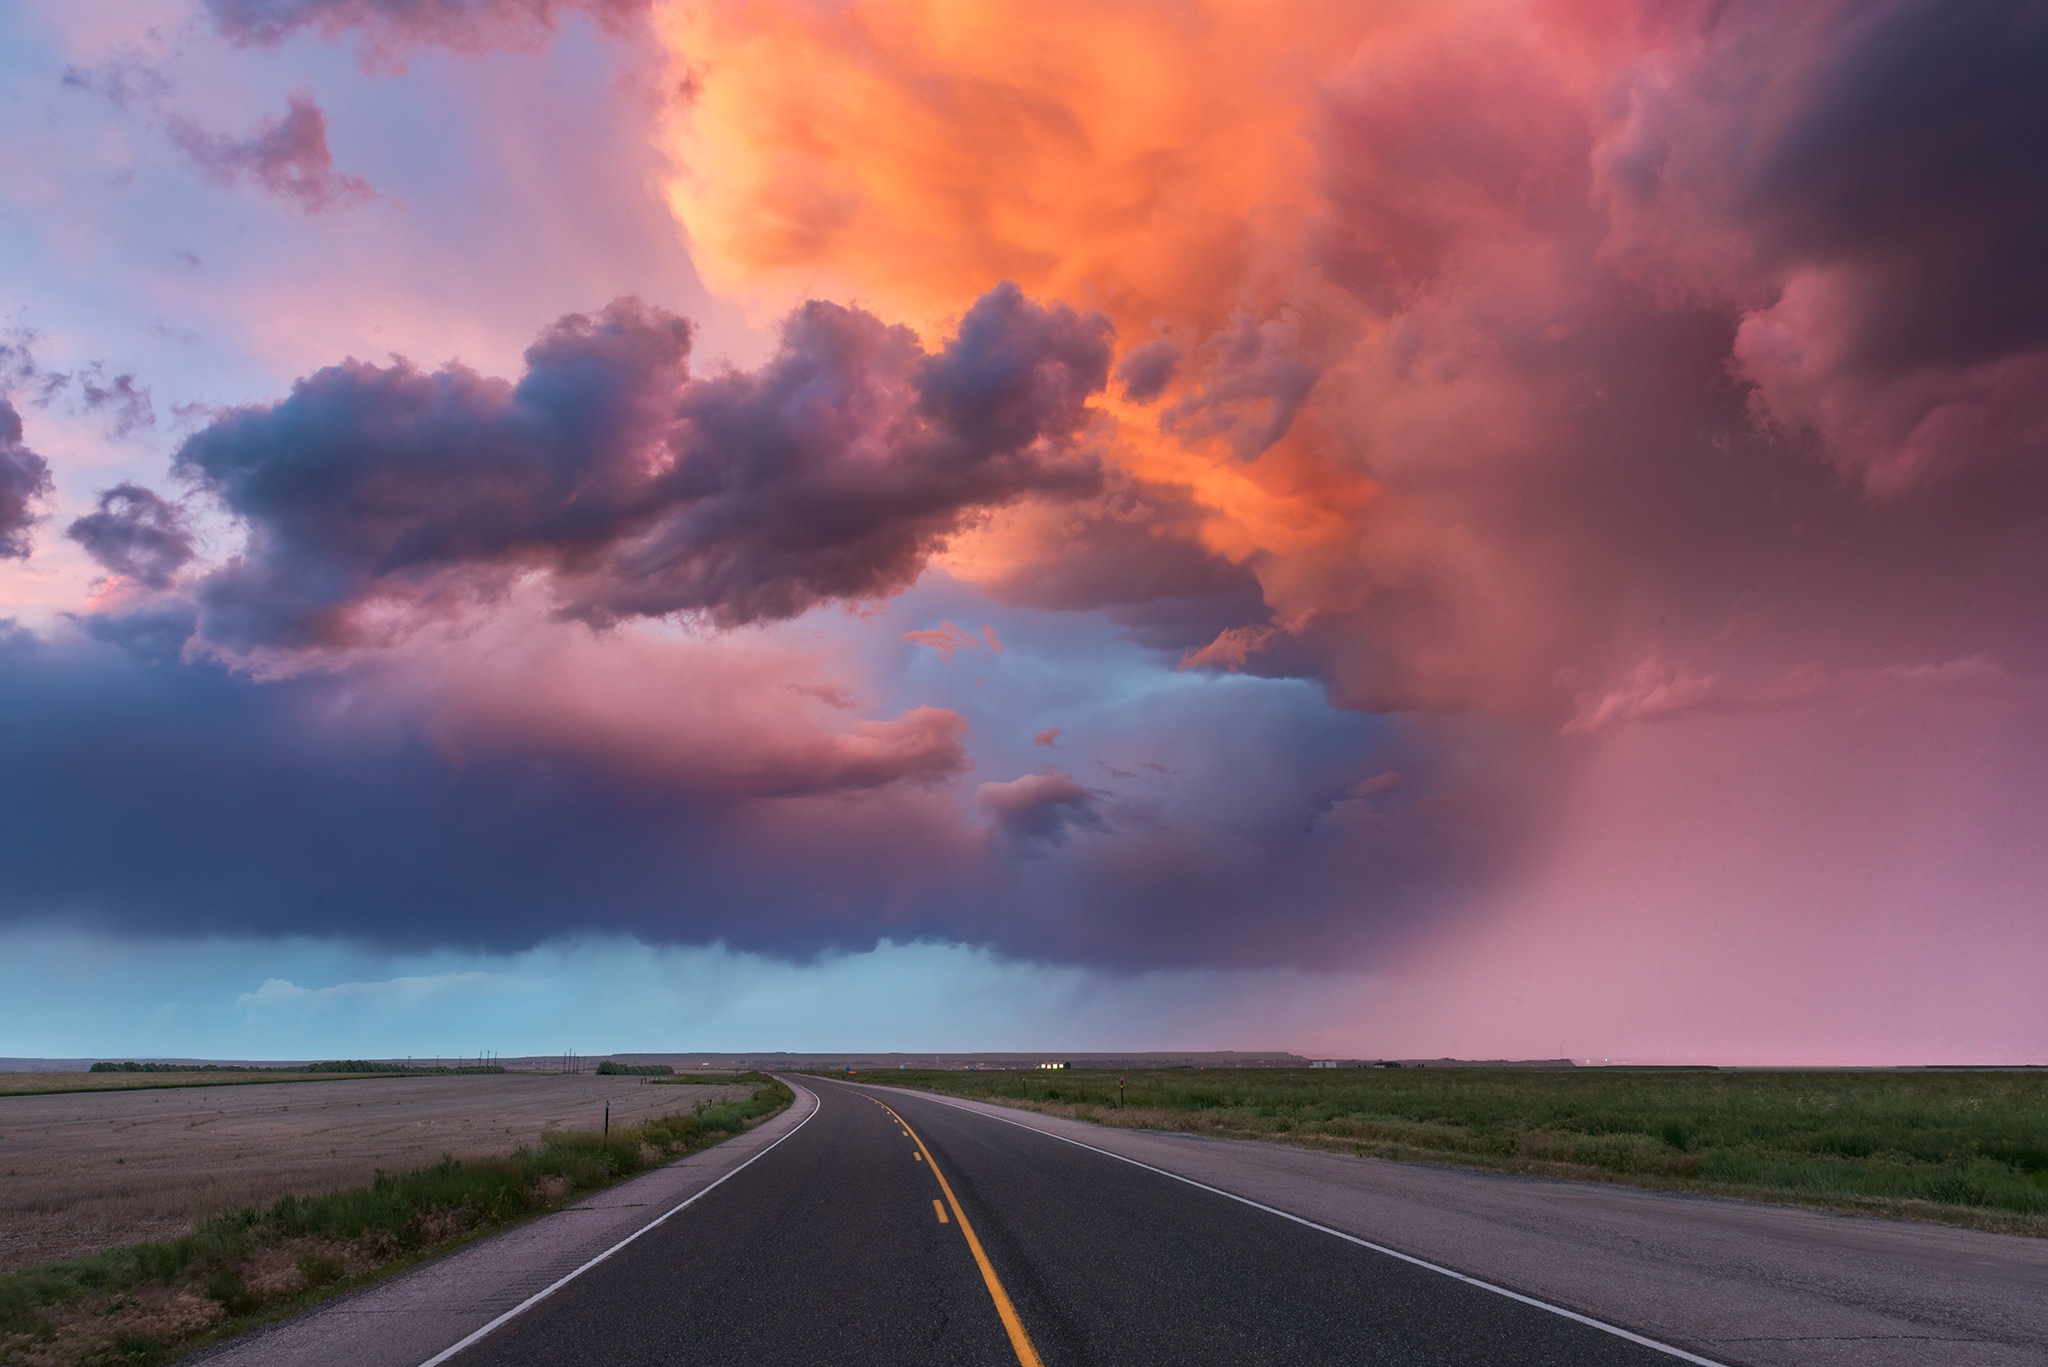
929 1234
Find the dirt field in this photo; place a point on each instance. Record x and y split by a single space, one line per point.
22 1084
90 1170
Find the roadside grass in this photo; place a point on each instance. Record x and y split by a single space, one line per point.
1965 1148
148 1302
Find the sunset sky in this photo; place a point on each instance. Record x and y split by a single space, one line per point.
1378 529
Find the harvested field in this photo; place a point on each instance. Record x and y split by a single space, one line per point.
93 1170
23 1084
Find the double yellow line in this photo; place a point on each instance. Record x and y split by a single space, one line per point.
1027 1356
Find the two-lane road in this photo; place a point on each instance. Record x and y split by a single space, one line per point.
895 1228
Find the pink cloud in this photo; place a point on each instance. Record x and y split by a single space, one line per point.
1043 808
705 715
286 157
946 639
1231 648
388 28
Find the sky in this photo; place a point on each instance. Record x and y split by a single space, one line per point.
1499 528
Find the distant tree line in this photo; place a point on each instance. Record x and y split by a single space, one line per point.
611 1069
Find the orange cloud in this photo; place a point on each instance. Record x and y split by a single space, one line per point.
1151 162
1426 310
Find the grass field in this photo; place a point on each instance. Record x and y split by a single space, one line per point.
1963 1147
90 1170
148 1302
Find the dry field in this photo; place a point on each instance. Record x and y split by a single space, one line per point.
91 1170
21 1084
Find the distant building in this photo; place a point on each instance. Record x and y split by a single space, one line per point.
1061 1064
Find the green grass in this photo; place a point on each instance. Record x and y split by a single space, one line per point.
1962 1147
394 1220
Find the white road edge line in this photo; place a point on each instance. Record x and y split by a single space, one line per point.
537 1297
1452 1273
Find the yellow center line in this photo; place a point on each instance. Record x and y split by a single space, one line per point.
939 1209
1020 1341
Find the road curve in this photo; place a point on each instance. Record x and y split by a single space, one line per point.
896 1228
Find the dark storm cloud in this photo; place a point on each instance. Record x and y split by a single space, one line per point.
136 532
1921 154
24 479
831 473
1043 808
286 157
1145 371
1903 139
1877 208
1134 554
356 804
292 807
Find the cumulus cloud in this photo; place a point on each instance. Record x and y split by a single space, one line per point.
285 157
136 532
24 479
832 473
1561 341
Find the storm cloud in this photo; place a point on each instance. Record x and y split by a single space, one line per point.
1043 807
830 474
24 479
1876 212
136 532
514 783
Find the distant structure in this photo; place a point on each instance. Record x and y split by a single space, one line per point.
1059 1065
